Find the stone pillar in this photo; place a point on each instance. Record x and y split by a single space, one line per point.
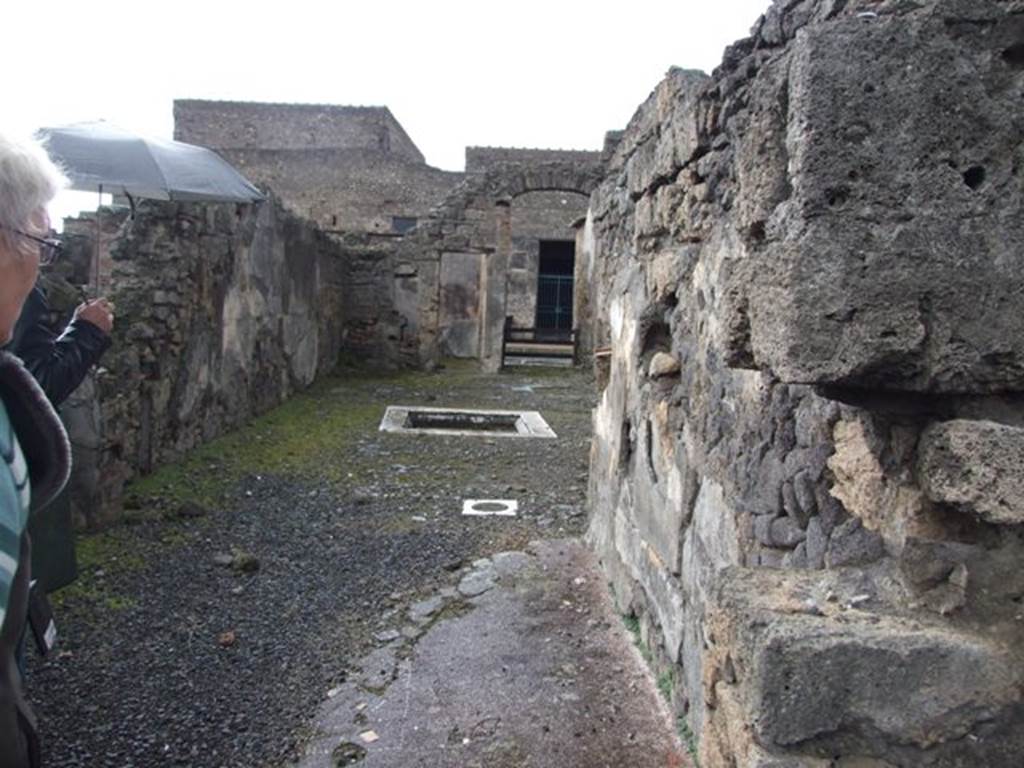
581 287
492 289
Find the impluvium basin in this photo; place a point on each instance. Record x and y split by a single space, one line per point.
460 421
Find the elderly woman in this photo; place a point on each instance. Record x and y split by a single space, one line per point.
32 442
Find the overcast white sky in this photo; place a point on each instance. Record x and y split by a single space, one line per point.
527 73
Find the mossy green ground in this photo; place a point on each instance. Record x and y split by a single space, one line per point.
308 437
314 438
102 554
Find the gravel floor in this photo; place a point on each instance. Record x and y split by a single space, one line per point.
207 634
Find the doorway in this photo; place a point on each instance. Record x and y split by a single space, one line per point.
555 288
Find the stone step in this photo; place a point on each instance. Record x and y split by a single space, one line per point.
551 362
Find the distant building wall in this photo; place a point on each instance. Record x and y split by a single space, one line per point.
355 172
536 216
480 159
347 189
499 217
351 169
254 125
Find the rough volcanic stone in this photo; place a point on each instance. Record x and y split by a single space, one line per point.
817 543
810 681
897 257
803 489
772 558
853 544
977 466
663 364
927 564
763 529
786 533
845 245
476 583
797 558
422 611
790 504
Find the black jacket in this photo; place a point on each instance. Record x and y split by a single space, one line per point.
59 363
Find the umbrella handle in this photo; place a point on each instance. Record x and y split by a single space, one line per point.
96 265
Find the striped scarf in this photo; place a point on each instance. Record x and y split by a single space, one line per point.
15 495
35 454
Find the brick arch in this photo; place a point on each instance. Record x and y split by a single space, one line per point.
506 182
511 181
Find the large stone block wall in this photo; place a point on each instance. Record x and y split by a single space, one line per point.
223 311
806 468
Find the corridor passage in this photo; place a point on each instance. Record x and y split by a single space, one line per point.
308 591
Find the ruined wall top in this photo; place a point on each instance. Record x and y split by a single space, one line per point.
482 159
256 125
881 245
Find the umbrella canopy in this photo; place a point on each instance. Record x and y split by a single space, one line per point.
101 157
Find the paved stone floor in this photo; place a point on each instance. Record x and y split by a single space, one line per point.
534 671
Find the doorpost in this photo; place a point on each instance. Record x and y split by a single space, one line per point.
493 289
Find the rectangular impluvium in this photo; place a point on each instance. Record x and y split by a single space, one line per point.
454 421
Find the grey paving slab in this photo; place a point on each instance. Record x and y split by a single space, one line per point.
537 673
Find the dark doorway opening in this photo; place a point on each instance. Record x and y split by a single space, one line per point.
554 288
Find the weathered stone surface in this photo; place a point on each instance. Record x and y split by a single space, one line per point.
786 533
422 611
817 544
476 582
858 685
663 364
892 261
977 466
819 234
810 683
853 544
884 501
927 564
222 312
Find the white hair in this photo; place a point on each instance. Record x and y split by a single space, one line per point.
29 179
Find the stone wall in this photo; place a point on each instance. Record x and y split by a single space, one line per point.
223 311
347 190
536 216
351 169
807 475
479 242
482 159
255 125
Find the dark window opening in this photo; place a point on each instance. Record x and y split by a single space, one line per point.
402 224
555 286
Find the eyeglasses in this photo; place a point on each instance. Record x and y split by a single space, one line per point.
49 249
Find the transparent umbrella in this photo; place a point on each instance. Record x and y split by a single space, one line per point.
101 157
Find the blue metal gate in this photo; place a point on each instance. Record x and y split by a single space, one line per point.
554 302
